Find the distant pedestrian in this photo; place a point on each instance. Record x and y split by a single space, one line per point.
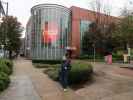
65 68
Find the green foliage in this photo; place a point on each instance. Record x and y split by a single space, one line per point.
10 33
6 68
123 34
4 81
79 72
43 65
91 57
8 63
47 61
117 57
99 37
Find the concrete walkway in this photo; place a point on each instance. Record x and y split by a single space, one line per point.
29 83
21 87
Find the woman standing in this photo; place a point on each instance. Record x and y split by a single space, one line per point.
65 68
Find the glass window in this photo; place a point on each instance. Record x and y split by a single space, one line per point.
51 28
84 26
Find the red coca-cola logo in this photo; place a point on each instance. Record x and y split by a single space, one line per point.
50 32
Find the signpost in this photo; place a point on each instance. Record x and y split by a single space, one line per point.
94 53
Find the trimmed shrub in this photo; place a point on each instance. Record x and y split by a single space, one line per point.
79 72
4 81
47 61
40 65
8 63
4 68
97 56
117 57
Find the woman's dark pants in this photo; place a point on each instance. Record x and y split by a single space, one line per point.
64 78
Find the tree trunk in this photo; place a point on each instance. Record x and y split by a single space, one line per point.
10 54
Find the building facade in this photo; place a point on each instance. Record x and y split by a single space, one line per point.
80 21
50 31
27 51
54 27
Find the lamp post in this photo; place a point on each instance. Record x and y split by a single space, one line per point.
94 52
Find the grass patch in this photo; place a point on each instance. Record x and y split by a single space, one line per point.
40 65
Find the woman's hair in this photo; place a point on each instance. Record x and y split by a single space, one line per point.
68 55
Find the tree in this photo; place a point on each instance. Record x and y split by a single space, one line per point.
99 36
123 34
103 8
102 27
10 30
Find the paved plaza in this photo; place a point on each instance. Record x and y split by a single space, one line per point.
110 83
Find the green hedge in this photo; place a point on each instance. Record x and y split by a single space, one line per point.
79 72
6 68
117 57
9 63
46 61
4 81
97 56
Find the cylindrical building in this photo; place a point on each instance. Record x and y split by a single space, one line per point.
50 31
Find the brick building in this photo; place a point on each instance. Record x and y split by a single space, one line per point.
54 27
80 21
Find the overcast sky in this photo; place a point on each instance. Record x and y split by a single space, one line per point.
21 8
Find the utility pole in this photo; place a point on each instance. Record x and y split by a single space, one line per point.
6 3
6 8
4 13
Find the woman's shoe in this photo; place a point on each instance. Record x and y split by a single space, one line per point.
65 90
